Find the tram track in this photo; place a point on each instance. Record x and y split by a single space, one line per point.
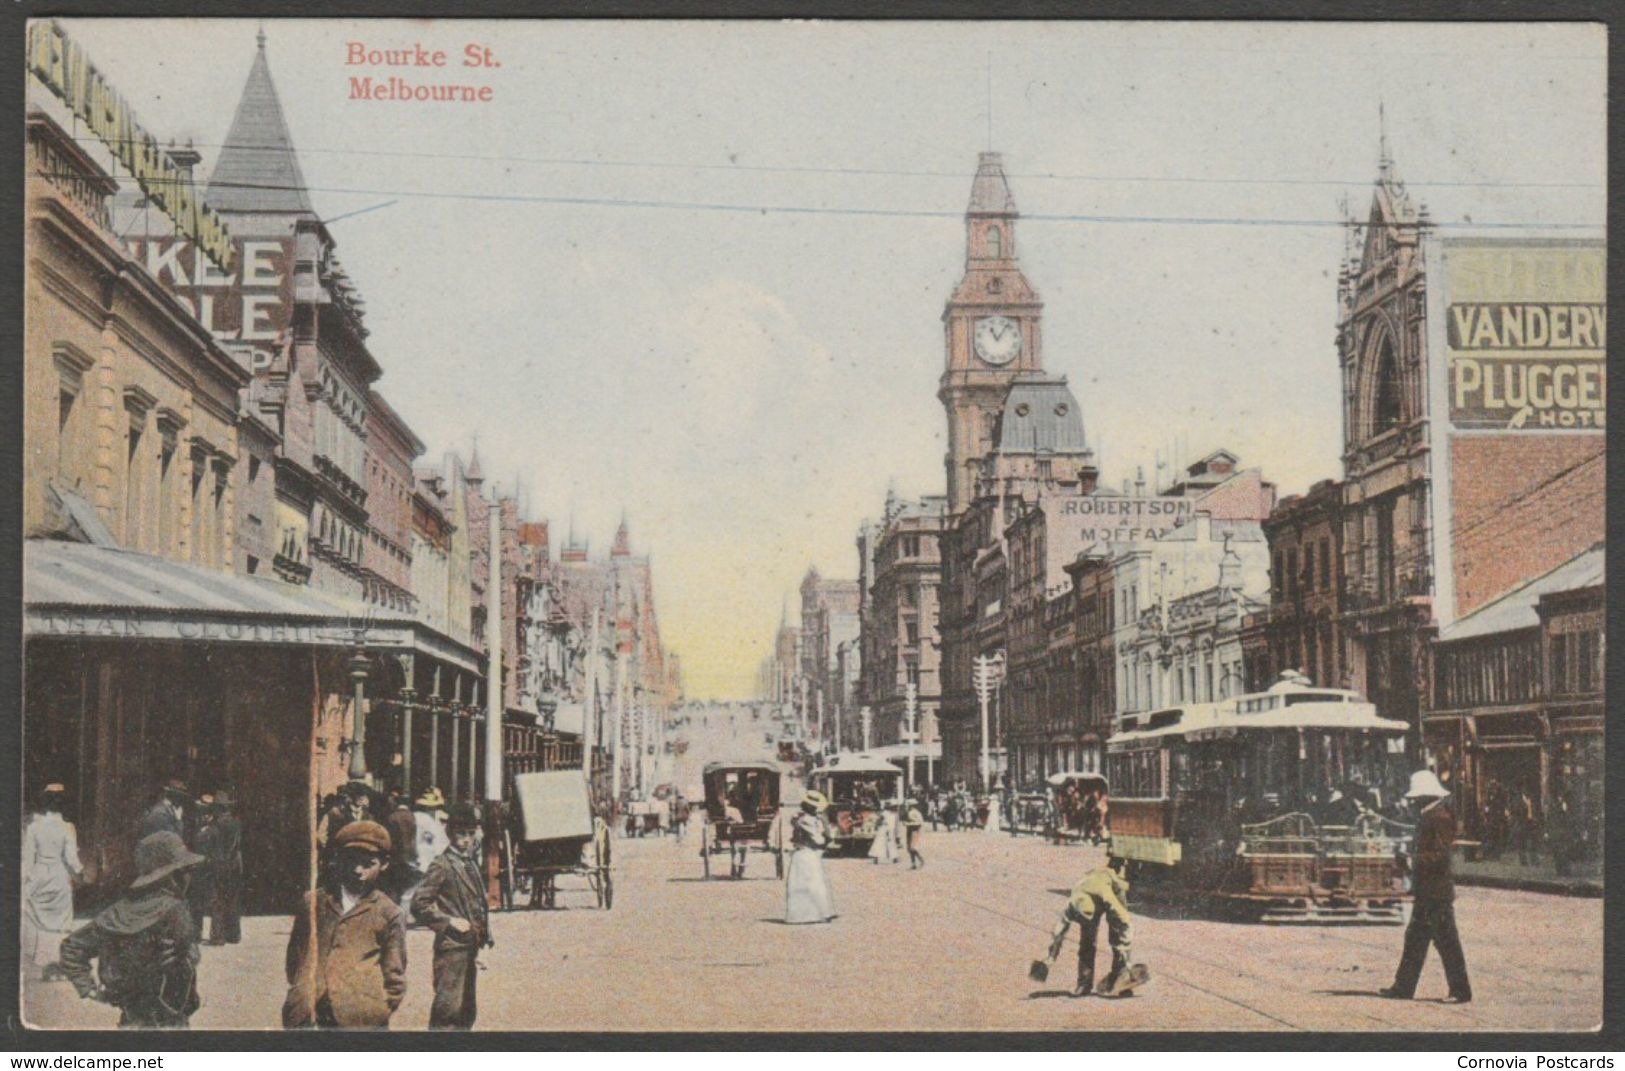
1233 970
1161 971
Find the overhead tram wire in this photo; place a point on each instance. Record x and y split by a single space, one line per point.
896 213
790 169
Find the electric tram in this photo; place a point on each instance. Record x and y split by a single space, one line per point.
1280 802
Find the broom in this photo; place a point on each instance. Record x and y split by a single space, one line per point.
1039 970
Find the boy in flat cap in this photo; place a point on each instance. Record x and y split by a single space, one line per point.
145 944
451 901
346 958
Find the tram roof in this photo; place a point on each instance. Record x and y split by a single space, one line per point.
743 764
856 762
1338 710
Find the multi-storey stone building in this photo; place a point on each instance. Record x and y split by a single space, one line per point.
386 559
1474 455
901 642
1181 598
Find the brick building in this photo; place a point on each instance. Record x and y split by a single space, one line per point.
1304 630
1015 437
1473 375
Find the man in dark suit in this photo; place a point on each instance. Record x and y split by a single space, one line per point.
1433 891
168 815
221 843
451 902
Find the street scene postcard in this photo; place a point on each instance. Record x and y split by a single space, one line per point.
812 526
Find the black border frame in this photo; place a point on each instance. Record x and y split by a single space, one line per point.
13 19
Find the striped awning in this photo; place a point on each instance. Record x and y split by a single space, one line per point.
80 590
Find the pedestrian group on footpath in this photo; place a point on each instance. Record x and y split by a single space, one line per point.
346 961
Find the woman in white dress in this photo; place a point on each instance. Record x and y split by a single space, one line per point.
883 849
50 863
806 890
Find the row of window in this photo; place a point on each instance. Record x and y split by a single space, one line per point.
155 503
1193 678
1505 673
1316 574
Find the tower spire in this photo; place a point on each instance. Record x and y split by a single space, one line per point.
1385 159
990 102
258 171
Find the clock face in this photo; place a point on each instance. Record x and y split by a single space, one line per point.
998 339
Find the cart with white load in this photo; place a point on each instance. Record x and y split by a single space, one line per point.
559 835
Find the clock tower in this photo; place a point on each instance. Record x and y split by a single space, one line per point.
990 326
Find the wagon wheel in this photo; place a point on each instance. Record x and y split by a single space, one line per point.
705 848
597 876
776 843
778 862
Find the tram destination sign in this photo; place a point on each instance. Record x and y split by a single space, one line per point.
1526 336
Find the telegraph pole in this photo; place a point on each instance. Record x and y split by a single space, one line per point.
589 716
985 675
911 695
494 743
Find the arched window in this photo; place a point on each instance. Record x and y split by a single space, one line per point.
1389 407
995 242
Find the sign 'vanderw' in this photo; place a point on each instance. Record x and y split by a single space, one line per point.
1526 334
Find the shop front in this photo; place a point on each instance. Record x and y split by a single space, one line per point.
1516 727
138 670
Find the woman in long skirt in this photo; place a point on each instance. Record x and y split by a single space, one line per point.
884 847
806 890
50 863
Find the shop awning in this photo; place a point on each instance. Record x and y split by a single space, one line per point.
1517 609
79 590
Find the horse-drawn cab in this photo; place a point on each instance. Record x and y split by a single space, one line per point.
741 812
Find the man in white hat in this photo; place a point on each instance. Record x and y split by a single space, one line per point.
1433 889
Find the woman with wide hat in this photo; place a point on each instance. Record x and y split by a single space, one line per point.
807 897
50 865
145 944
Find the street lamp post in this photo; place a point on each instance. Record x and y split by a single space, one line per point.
358 676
